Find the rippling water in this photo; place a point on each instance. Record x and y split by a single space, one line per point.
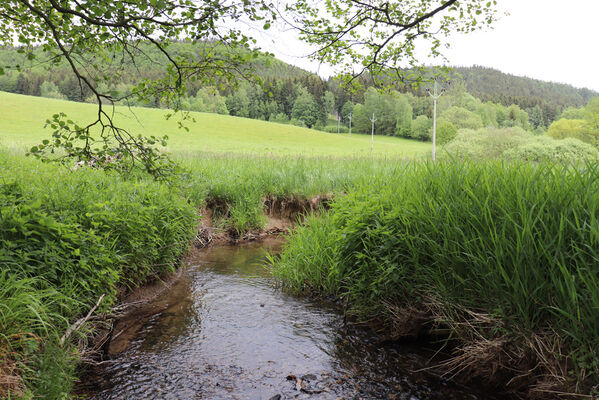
223 332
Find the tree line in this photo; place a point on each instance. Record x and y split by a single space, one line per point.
287 94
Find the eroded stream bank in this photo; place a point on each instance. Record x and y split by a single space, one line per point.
223 332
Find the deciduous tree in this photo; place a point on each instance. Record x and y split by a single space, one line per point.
95 37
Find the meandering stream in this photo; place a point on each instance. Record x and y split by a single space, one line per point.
224 332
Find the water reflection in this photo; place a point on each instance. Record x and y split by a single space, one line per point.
223 332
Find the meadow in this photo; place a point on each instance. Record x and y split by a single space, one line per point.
70 237
23 126
497 255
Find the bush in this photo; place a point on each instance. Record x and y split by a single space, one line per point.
446 132
570 128
69 237
297 122
333 129
544 148
50 90
462 118
483 144
281 118
85 231
421 128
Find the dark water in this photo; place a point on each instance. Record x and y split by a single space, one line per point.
223 332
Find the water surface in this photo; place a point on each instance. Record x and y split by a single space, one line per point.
224 332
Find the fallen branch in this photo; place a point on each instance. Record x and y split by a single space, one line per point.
80 322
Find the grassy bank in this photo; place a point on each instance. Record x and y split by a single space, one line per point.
236 187
500 257
22 126
68 238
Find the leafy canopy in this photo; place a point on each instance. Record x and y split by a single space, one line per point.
97 37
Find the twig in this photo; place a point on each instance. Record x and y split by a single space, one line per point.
80 322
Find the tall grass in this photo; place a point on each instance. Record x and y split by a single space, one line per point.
237 185
519 242
69 237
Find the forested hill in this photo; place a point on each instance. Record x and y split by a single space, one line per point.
546 98
488 84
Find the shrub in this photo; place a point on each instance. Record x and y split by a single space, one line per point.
570 128
462 118
421 128
544 148
333 129
281 118
446 132
483 144
50 90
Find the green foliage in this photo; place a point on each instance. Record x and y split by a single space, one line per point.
31 322
543 148
330 28
516 117
572 113
50 90
488 84
238 103
392 112
328 102
421 128
210 101
461 118
446 132
334 129
68 238
346 110
238 185
570 128
512 241
84 231
592 119
484 144
280 118
305 109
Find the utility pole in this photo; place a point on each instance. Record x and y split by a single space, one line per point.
435 95
373 120
338 119
349 124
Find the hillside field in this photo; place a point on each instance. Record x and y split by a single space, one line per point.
22 121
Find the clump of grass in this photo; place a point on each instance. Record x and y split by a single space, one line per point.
518 243
31 323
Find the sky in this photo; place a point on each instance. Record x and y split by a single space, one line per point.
551 40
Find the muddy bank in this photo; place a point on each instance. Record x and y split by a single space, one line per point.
280 213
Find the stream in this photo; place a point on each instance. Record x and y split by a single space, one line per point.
223 332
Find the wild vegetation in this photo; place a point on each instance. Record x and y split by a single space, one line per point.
497 256
70 238
98 231
500 257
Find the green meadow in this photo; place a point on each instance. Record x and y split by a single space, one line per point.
22 125
498 256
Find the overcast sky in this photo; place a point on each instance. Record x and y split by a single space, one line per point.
551 40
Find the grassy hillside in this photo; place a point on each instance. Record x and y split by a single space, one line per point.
22 124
